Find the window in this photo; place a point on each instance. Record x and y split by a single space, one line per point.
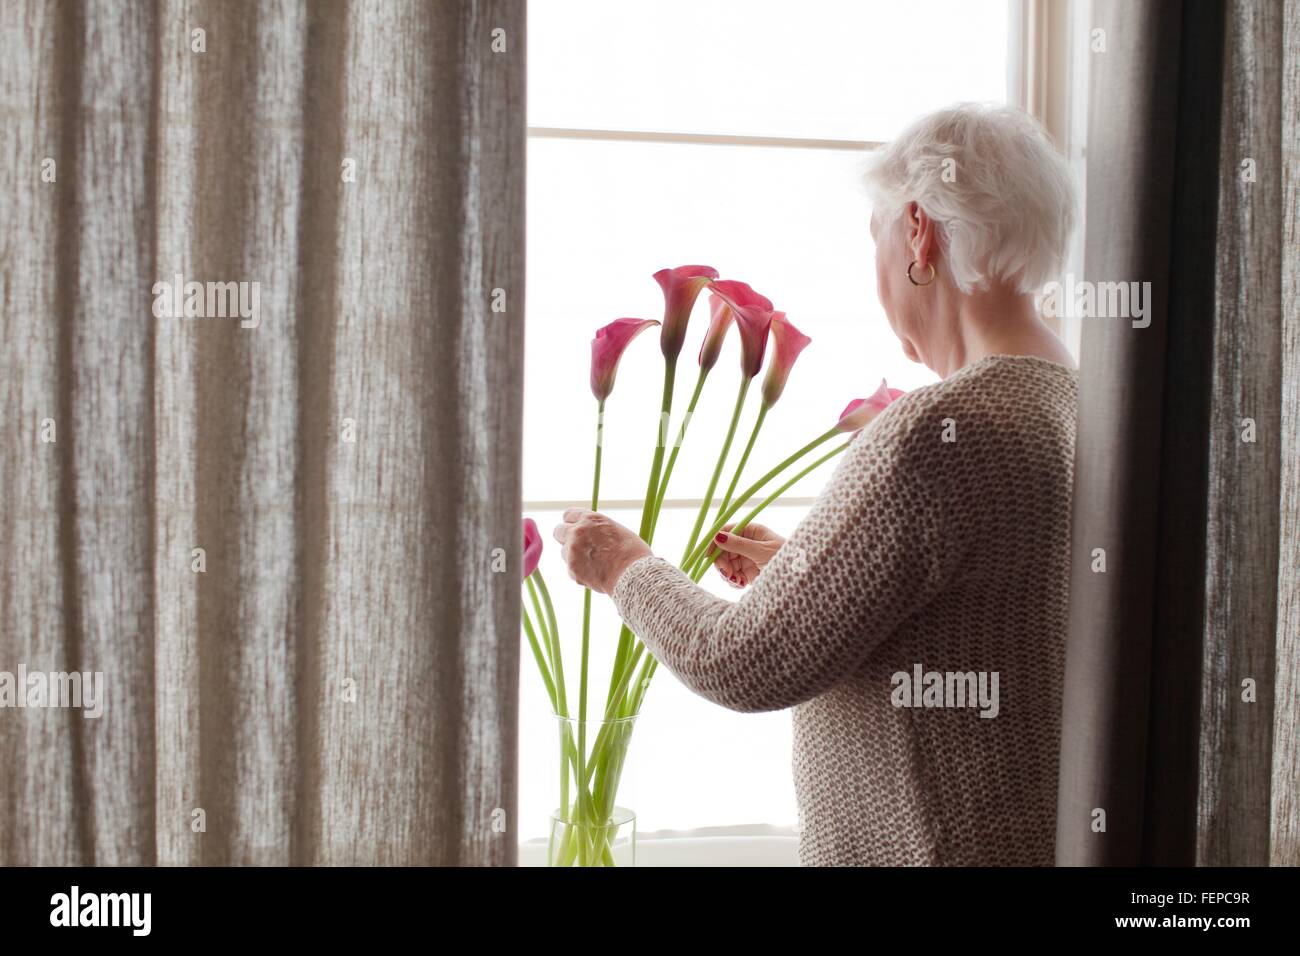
729 133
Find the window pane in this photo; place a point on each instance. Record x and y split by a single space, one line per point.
603 216
842 69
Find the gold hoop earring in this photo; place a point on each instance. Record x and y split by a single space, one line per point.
913 281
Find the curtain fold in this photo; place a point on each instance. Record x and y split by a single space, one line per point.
288 537
1242 583
1182 636
1285 836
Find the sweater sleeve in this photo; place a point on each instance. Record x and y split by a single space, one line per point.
865 558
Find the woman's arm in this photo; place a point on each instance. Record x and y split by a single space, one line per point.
865 558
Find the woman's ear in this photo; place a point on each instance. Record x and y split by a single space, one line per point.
920 236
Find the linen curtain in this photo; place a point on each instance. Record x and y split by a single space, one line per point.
1181 704
285 528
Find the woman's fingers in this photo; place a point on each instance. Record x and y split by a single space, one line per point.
741 555
747 550
570 518
735 570
740 545
729 567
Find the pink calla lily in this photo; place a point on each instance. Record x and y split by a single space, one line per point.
753 319
720 318
681 287
789 342
532 546
859 412
607 348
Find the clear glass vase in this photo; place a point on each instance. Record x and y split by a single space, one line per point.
591 827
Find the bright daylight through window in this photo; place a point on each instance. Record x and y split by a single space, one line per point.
673 132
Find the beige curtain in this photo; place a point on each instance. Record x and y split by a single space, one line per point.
1179 740
332 678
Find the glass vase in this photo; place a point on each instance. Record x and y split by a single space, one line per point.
590 827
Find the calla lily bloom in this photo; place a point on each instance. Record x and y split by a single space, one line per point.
532 546
720 319
753 318
607 348
681 288
789 343
859 412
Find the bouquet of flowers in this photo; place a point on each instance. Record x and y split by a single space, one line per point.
587 824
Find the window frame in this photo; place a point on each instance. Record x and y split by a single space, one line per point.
1048 77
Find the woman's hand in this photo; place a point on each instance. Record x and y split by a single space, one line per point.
597 549
745 553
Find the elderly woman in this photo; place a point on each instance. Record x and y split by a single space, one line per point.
915 619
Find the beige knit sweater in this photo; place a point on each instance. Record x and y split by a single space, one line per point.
940 544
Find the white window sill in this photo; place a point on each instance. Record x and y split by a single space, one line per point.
708 846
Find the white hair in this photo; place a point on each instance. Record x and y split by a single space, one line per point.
1001 197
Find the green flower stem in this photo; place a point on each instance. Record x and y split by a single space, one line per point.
707 503
541 622
558 661
691 559
610 746
649 520
703 565
648 512
612 771
567 813
642 684
677 445
749 447
647 509
546 626
564 781
537 655
625 641
568 757
568 750
611 714
586 605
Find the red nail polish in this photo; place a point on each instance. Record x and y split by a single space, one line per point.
720 538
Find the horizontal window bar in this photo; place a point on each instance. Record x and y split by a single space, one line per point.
704 139
630 504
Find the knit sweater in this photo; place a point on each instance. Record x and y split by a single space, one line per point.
915 620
